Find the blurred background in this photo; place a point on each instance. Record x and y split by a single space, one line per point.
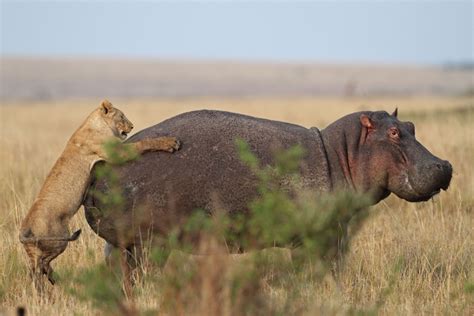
53 50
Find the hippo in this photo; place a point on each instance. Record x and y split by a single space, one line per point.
370 152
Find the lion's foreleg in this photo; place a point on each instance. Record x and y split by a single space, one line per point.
165 143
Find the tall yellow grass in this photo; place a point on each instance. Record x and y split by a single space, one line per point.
431 243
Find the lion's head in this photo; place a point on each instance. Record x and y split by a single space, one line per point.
118 123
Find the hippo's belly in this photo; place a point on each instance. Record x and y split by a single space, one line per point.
162 189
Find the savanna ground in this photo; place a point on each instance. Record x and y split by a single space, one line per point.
407 259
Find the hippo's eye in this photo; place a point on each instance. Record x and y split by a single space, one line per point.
394 133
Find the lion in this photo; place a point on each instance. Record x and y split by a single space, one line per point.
44 231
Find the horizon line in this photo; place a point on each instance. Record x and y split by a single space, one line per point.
270 61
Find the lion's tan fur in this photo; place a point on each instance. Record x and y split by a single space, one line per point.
63 190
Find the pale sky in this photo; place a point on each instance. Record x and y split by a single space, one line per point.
420 32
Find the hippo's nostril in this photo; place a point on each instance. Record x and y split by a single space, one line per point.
439 166
448 166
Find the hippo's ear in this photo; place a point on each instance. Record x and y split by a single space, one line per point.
366 121
395 113
106 106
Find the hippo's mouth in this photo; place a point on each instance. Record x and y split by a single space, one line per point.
429 196
410 192
422 197
425 181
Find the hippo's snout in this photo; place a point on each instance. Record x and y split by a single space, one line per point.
439 173
446 171
430 177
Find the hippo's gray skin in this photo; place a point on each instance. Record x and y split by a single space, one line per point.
370 152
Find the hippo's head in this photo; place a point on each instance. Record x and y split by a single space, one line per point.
380 154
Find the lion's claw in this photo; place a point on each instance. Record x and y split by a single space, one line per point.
176 146
169 144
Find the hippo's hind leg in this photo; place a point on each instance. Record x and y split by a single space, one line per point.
126 273
130 259
110 254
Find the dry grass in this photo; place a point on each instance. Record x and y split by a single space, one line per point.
408 258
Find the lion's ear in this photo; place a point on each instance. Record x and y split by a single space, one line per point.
106 106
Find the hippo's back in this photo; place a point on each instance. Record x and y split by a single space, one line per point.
206 173
223 128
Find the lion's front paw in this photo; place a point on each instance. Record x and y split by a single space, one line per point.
169 144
